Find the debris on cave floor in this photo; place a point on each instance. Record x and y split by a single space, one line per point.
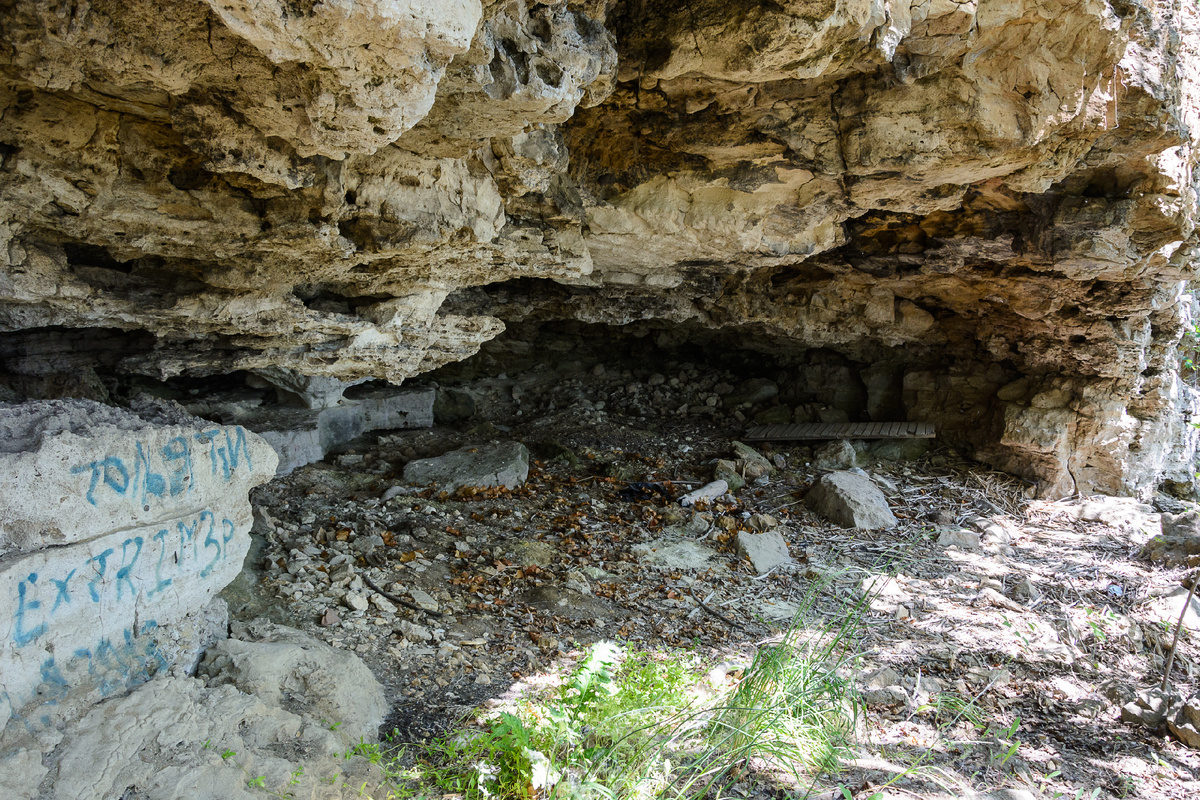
1003 634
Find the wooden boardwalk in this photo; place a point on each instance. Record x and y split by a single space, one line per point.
795 431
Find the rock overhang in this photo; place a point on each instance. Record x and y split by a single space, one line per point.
993 200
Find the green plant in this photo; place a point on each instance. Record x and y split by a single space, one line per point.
257 783
641 725
792 709
948 708
495 761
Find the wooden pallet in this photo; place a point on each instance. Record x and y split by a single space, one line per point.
795 431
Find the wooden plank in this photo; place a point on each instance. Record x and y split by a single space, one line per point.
800 431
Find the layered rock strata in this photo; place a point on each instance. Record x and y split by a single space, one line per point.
982 211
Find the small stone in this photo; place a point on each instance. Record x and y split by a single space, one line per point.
424 600
578 582
383 604
1149 708
330 617
1185 725
754 459
835 455
355 601
762 522
727 471
765 551
961 539
1179 544
1026 591
413 632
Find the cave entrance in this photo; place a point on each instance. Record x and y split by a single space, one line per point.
647 371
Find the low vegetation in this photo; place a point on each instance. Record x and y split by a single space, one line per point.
639 724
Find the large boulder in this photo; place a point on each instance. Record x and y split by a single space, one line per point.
117 529
851 501
291 670
499 464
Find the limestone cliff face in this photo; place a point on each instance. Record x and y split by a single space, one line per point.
984 208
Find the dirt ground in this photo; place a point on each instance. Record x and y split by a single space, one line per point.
1039 612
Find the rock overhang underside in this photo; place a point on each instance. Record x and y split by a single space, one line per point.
978 214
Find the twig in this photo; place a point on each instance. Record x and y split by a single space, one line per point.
716 614
397 600
1178 625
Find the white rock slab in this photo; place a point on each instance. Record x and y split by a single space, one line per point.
851 501
73 470
766 551
150 517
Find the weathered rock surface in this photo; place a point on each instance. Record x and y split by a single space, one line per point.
1179 543
302 436
173 738
501 464
293 671
850 500
117 529
974 214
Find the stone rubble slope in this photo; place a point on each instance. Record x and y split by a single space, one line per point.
1042 612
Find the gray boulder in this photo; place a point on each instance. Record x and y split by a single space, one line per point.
851 501
500 464
1186 723
1179 544
838 454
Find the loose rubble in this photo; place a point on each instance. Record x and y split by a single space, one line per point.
975 592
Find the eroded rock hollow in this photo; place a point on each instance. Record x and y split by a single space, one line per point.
978 214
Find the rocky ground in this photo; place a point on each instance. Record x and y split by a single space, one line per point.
1041 613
